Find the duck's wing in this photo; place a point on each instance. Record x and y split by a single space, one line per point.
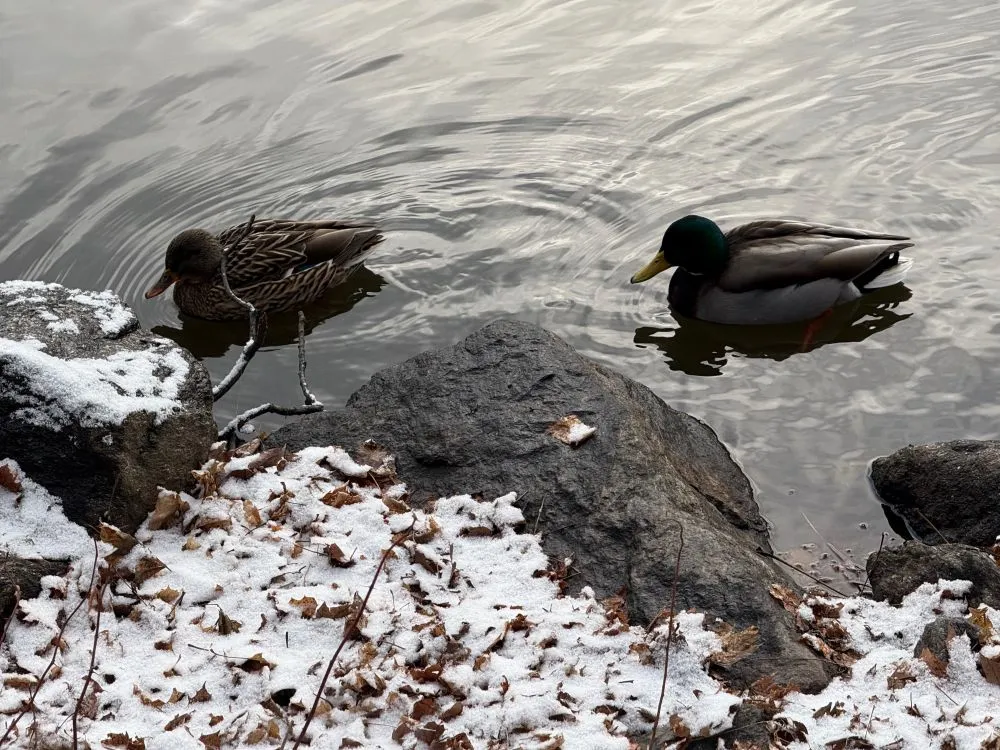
275 249
777 253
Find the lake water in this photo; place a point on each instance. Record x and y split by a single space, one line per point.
524 157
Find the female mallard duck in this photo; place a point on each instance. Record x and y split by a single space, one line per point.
772 271
280 265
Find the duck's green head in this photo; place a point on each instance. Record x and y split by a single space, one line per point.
693 243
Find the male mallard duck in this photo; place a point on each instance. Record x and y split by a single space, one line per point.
281 265
772 271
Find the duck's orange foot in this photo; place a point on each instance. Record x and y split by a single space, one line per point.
813 328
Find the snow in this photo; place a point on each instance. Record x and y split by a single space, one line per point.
226 597
465 632
34 525
113 317
95 392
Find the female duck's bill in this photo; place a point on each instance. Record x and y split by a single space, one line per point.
167 278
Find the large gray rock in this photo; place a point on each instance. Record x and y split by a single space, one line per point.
474 418
944 491
95 409
896 571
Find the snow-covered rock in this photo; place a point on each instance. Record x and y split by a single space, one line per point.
97 410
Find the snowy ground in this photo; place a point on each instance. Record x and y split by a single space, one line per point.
214 625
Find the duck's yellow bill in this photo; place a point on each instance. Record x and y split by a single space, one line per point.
657 265
161 285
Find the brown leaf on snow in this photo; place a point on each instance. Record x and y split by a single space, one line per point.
340 496
429 673
276 457
117 538
256 663
850 743
252 515
123 739
937 667
225 625
337 557
202 696
178 720
901 676
478 531
428 532
426 706
335 612
422 559
641 650
145 700
213 740
454 710
678 727
571 431
307 606
978 618
992 742
429 732
736 645
209 478
395 505
830 709
991 668
9 480
168 595
788 598
190 544
176 696
170 508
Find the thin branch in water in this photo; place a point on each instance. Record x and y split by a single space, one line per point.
30 705
350 628
800 572
670 634
311 405
258 321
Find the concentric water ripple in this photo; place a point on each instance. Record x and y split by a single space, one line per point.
524 158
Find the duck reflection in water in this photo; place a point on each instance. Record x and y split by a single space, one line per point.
210 339
700 348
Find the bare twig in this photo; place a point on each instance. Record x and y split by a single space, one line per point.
258 321
312 404
10 618
863 586
670 634
90 671
787 564
30 705
350 628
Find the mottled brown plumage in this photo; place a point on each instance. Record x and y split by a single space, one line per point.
281 265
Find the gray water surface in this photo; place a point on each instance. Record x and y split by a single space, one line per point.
524 158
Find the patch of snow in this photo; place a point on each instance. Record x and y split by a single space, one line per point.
95 391
465 631
113 317
64 326
34 525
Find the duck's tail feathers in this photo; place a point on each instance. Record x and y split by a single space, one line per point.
893 274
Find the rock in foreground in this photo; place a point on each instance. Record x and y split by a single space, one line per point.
476 417
97 410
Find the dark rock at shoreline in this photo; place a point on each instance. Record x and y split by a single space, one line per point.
897 571
944 491
20 579
95 409
940 631
475 418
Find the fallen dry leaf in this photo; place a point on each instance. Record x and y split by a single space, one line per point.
901 676
788 598
937 667
340 496
170 508
307 606
9 480
571 431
